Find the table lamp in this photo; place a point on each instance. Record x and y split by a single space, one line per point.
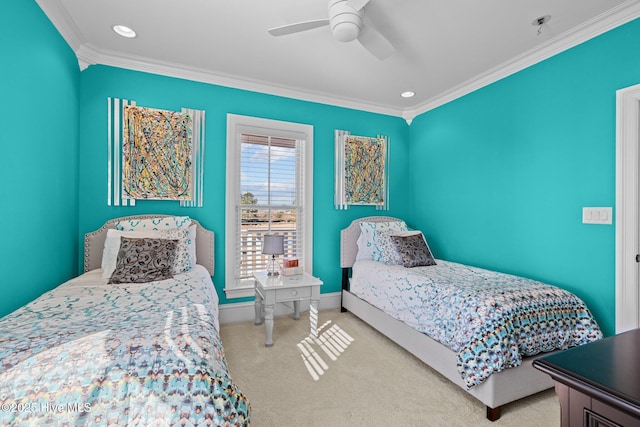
273 245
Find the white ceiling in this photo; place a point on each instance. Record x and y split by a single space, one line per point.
444 48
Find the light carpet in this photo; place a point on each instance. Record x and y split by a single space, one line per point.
371 382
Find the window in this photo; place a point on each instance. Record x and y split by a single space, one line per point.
269 190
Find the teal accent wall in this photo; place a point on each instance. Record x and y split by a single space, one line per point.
497 178
500 176
39 83
149 90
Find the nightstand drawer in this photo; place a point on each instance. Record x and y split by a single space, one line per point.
293 294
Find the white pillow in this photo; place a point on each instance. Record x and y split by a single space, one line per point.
186 250
182 261
375 245
192 243
160 223
185 254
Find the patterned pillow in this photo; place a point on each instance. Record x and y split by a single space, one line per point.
144 260
183 260
413 249
160 223
374 245
386 251
193 229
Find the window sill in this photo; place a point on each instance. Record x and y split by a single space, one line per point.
240 292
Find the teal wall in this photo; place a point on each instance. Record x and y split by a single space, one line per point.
497 178
509 167
100 82
39 83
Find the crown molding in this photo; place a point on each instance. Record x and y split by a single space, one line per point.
624 13
90 55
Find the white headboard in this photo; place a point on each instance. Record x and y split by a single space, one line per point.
349 238
94 243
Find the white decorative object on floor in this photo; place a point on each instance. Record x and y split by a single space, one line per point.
334 341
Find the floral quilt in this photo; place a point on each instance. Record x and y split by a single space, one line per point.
88 353
489 319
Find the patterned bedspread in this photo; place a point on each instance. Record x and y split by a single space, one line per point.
489 319
146 354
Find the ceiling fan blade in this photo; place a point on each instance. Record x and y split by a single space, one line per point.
375 43
298 27
357 4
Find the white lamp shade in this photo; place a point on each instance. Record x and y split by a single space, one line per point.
273 244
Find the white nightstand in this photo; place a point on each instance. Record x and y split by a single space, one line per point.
274 289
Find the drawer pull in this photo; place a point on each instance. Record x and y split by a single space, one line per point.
294 292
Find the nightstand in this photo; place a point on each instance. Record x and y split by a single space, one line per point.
275 289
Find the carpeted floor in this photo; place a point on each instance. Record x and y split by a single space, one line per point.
371 382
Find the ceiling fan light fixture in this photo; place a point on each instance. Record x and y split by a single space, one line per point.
124 31
346 31
345 21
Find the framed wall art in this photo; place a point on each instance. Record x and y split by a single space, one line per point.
154 154
361 170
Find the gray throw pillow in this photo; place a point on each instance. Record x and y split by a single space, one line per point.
413 250
142 260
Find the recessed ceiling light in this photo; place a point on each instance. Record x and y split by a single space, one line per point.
407 94
124 31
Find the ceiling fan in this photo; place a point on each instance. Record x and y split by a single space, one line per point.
347 24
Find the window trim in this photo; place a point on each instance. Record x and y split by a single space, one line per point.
235 125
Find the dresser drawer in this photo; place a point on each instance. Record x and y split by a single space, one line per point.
293 293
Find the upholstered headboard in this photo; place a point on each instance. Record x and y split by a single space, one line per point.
349 238
94 243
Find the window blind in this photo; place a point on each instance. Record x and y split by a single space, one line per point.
271 199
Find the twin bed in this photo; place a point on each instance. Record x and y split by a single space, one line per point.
143 353
478 328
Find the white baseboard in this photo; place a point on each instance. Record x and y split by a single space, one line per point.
245 311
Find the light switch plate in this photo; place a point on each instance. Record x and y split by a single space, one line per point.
598 215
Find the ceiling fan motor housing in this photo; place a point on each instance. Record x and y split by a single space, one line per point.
345 21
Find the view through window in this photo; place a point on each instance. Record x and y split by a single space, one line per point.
270 198
269 187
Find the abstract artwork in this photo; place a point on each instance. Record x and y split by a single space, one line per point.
156 154
361 170
364 170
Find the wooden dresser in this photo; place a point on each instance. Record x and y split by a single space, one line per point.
598 384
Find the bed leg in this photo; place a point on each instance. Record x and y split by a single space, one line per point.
493 414
345 286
